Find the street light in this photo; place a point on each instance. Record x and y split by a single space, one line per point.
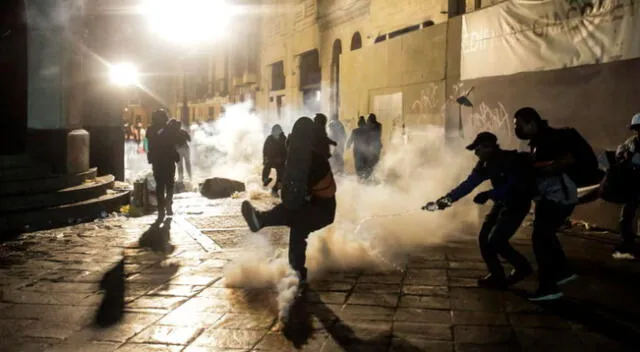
187 22
123 74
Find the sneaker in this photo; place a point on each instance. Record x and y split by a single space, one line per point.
493 282
249 214
160 215
518 275
550 294
566 278
169 210
624 252
267 181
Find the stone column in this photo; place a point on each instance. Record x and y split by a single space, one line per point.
54 85
104 101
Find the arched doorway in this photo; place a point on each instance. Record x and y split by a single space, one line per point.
335 78
356 41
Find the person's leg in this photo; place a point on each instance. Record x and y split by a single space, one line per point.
180 165
279 173
171 175
625 250
551 259
187 161
495 278
508 222
297 251
160 178
266 170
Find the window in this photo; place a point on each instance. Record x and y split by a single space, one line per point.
277 76
356 41
405 30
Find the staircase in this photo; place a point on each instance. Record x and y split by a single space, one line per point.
33 198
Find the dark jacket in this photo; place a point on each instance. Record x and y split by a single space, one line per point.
510 173
275 151
322 142
162 145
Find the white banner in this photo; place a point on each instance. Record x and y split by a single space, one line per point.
536 35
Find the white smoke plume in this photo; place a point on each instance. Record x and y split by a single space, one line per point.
377 224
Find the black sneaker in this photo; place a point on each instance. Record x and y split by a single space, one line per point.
250 216
169 210
624 251
267 181
161 215
518 275
546 294
493 282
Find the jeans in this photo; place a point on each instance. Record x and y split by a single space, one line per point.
164 173
552 262
266 170
627 215
313 216
499 226
185 158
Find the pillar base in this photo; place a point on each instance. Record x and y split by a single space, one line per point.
106 151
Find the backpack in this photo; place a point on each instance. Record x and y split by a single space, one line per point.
585 171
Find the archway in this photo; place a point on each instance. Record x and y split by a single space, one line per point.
356 41
335 78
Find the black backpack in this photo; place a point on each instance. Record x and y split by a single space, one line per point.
585 171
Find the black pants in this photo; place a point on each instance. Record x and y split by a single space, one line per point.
266 170
499 226
164 174
552 262
313 216
627 215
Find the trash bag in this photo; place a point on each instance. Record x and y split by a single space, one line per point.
216 187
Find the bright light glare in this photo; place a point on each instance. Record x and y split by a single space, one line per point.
123 74
188 21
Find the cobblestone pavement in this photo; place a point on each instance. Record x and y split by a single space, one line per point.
173 298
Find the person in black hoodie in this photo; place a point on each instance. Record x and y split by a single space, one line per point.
163 158
359 140
274 154
183 139
374 143
322 141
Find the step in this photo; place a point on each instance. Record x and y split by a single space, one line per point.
18 160
63 215
21 173
92 188
44 185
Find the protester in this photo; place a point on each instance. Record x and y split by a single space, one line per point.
358 139
628 156
309 202
338 134
510 175
374 144
274 155
163 157
556 153
183 149
322 141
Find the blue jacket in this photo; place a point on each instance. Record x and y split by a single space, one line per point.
510 173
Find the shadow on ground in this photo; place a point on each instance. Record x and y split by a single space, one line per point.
299 328
158 237
112 305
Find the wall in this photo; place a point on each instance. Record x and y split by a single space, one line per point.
412 64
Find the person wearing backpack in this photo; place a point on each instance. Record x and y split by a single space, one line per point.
628 160
510 174
563 161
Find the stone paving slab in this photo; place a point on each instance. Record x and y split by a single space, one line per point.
175 299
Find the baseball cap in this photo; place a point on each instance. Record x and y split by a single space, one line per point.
483 138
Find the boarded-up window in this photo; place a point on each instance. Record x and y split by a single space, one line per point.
277 76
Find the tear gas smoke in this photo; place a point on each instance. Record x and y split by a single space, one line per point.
363 236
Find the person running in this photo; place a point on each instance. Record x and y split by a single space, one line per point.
163 157
509 172
274 155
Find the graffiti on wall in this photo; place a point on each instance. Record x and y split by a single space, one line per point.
428 104
483 116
